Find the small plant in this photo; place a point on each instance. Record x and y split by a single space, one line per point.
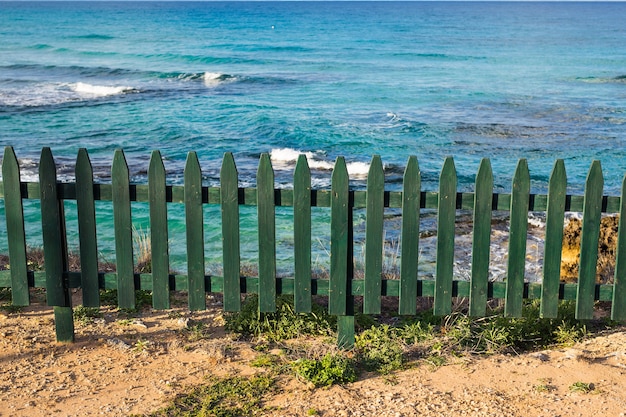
141 346
544 385
381 348
568 334
331 369
10 308
284 324
86 315
311 412
581 387
196 330
223 397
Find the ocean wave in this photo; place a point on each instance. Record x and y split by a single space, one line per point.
286 158
91 90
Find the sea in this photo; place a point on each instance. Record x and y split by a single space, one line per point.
500 80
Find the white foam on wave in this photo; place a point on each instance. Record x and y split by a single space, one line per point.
211 79
99 90
286 158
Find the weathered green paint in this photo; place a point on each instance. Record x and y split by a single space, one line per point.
445 238
592 213
123 231
16 236
302 235
85 204
194 221
345 332
160 260
230 232
618 311
411 193
517 241
267 235
481 239
553 241
52 227
339 290
64 324
374 237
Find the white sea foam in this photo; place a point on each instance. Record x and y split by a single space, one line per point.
99 90
286 158
211 79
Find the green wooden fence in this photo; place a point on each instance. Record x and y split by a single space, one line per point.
341 287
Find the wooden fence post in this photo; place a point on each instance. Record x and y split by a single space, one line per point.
340 301
55 248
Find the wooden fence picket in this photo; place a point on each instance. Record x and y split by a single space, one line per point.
120 183
267 235
16 235
411 196
592 213
194 221
446 216
481 240
518 230
302 235
374 237
88 242
553 246
159 245
618 310
229 200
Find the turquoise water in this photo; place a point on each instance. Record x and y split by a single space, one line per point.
500 80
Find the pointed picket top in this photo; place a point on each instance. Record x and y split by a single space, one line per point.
302 235
481 239
618 311
194 220
53 237
229 200
555 214
339 236
592 213
411 193
445 238
16 237
267 235
123 231
158 232
88 242
517 240
374 237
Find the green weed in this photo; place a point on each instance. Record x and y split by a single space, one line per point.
222 397
86 315
331 369
581 387
284 324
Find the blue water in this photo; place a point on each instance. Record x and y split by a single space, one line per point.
539 81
